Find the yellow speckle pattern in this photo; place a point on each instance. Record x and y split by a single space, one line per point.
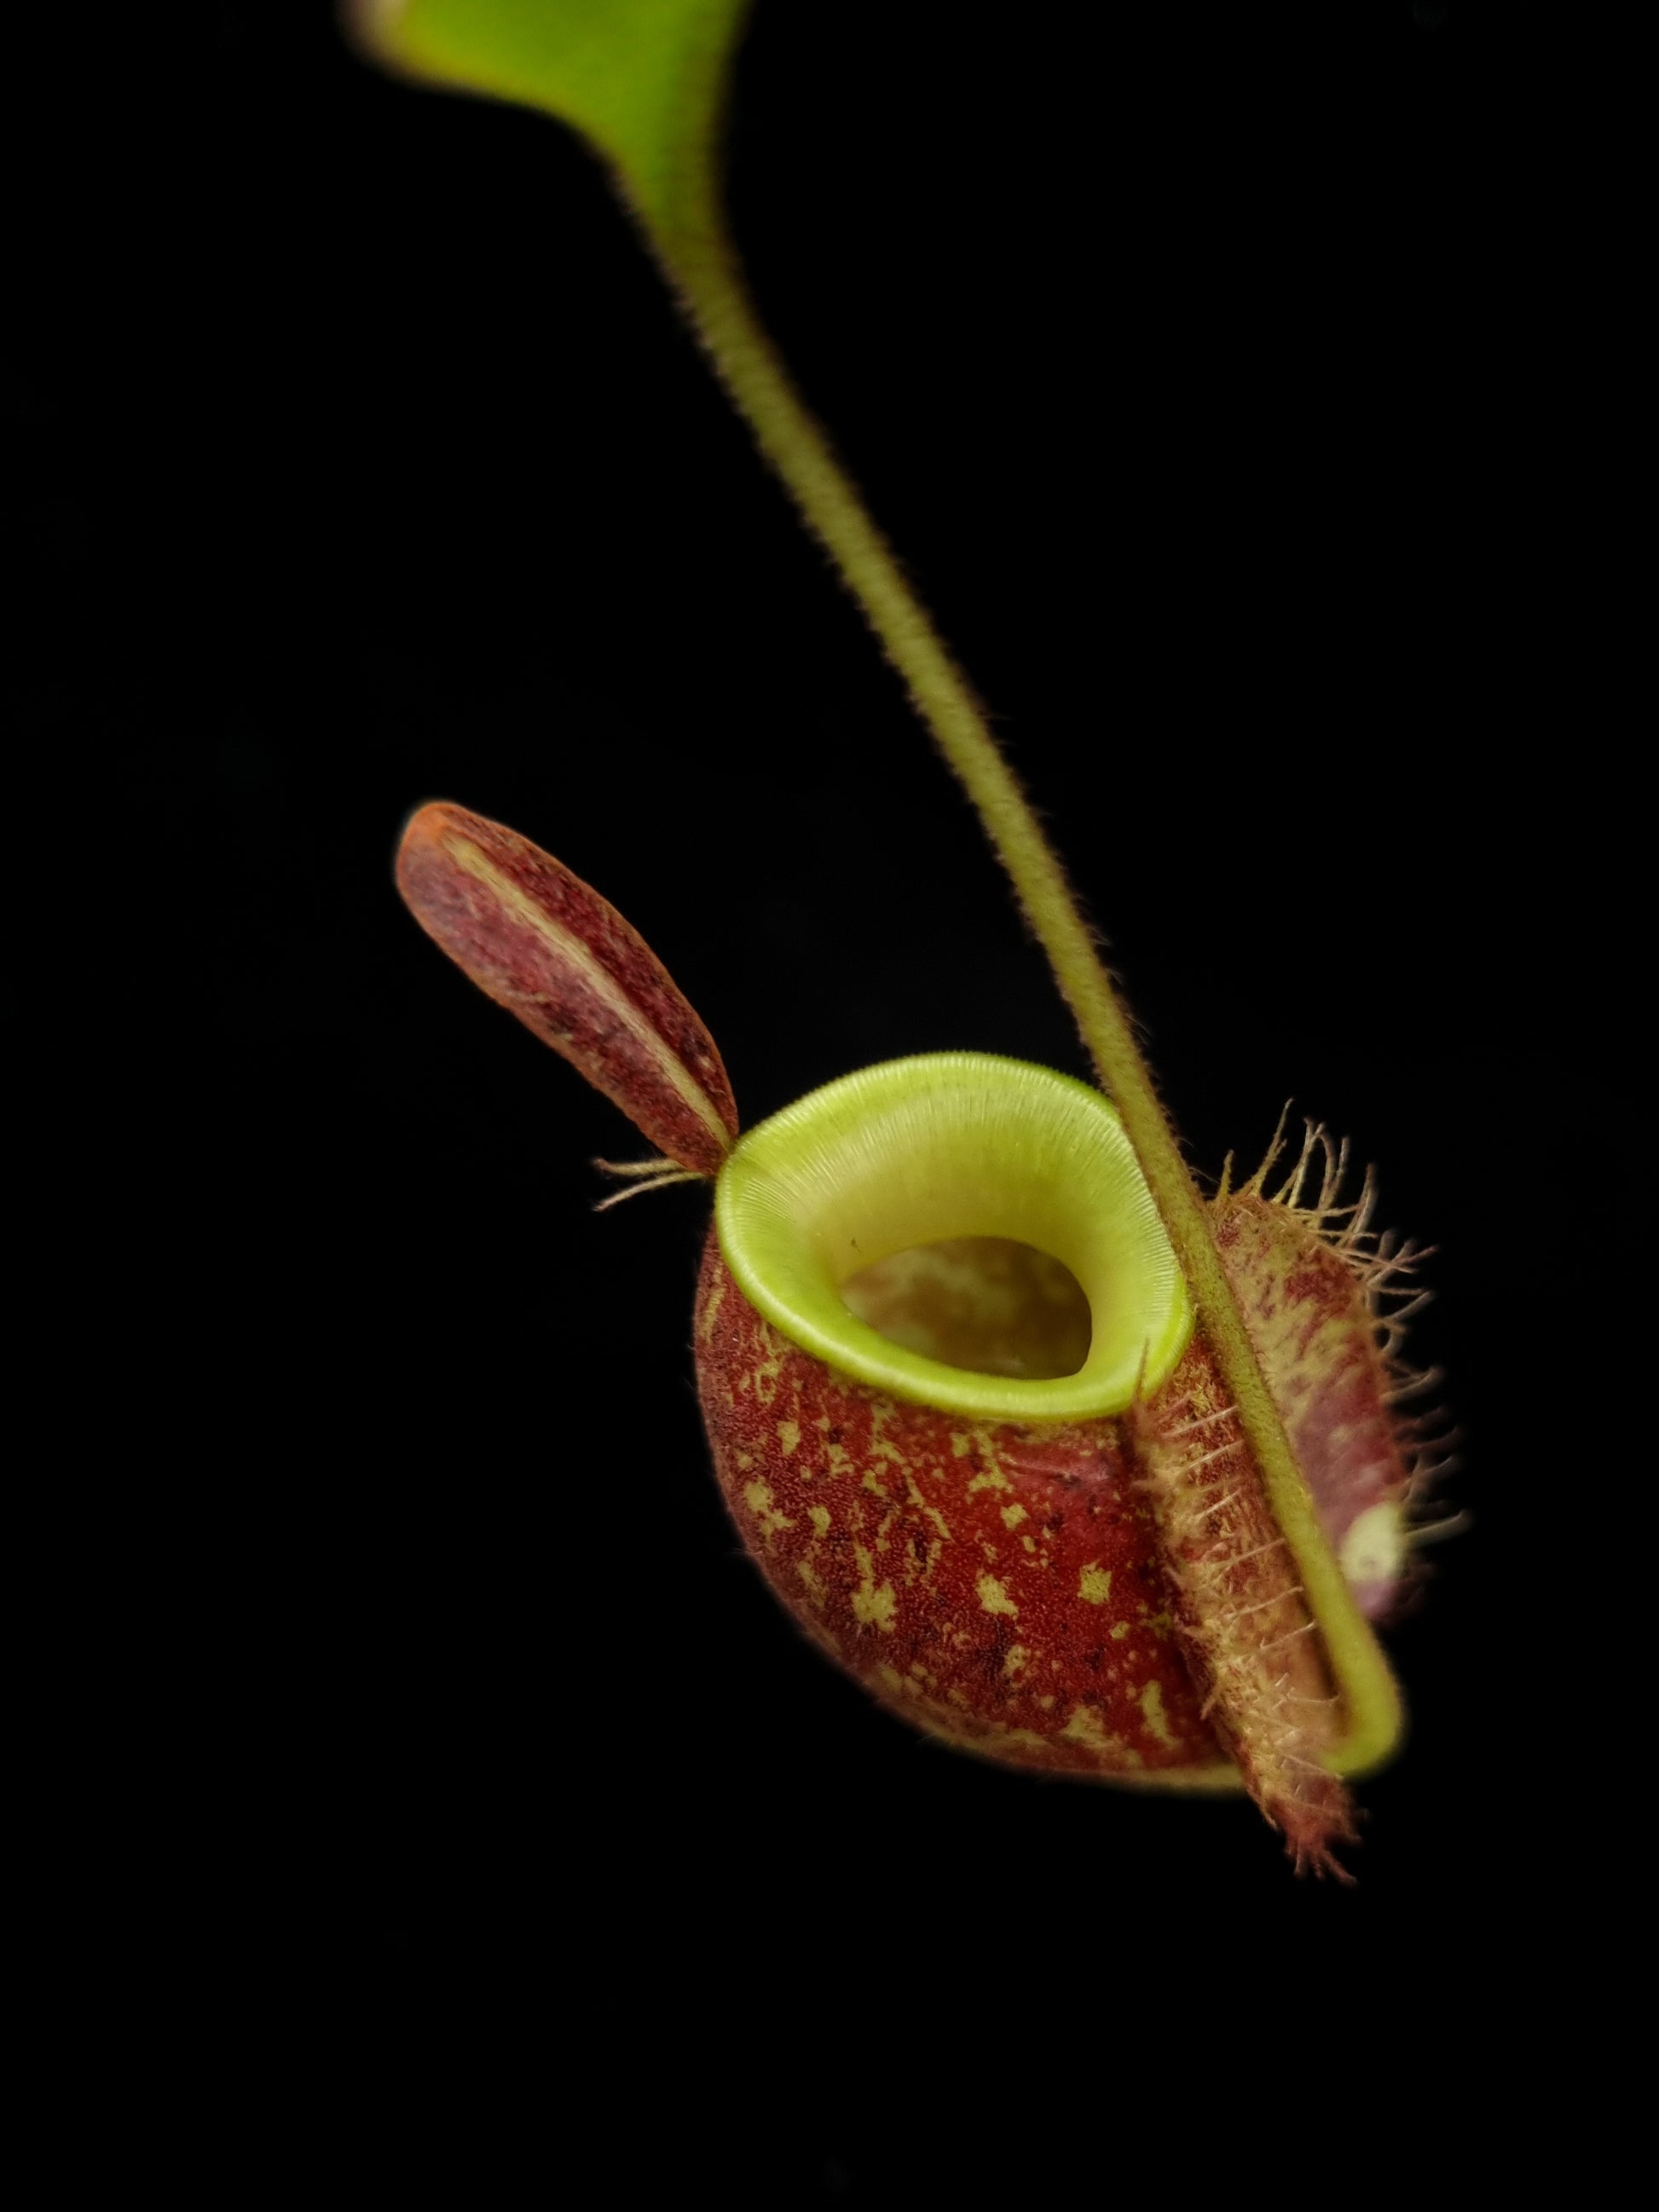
873 1604
1151 1706
888 1540
1095 1583
760 1501
929 1512
765 1374
881 1444
993 1597
1085 1726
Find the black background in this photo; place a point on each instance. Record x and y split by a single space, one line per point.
1208 369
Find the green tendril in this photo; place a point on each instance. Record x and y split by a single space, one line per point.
646 82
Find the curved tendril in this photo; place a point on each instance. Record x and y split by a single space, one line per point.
697 256
646 82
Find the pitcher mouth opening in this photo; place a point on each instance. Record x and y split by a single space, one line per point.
987 1304
963 1231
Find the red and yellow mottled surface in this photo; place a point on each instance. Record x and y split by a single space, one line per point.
1110 1599
997 1586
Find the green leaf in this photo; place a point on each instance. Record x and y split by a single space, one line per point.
643 80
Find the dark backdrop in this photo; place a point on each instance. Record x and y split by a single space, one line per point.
1207 368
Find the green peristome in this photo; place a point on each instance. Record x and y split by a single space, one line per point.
951 1145
642 79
